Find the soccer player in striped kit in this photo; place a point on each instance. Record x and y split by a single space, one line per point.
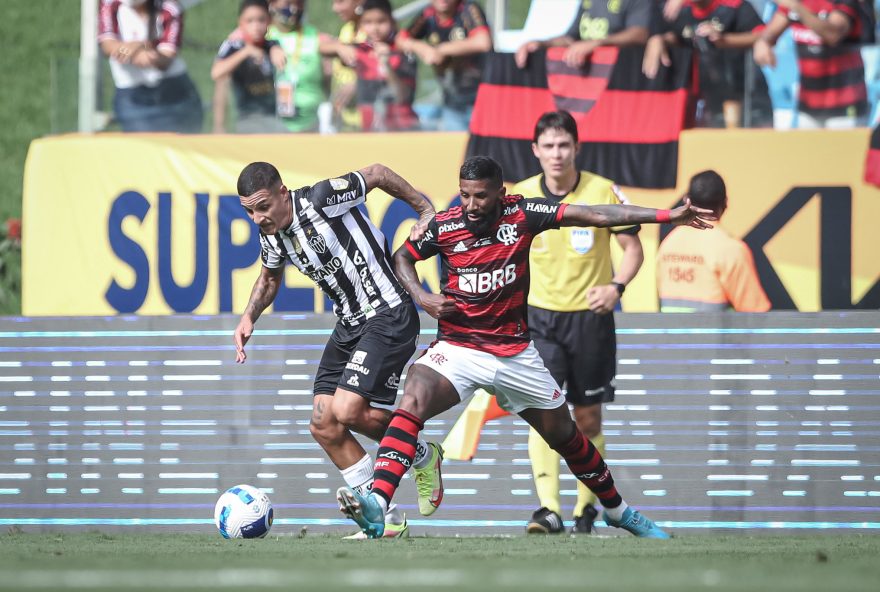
483 336
322 233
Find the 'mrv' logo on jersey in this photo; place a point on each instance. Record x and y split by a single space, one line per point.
541 208
480 283
334 200
327 270
449 227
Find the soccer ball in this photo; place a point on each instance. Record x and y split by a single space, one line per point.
243 512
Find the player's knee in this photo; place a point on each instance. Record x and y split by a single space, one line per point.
350 418
325 431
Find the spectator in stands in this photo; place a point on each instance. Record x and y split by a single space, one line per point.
720 33
298 87
620 23
346 116
249 60
452 36
712 271
832 74
386 76
153 90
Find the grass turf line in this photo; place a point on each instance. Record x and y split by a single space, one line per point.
823 562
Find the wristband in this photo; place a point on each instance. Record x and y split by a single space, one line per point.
663 216
620 287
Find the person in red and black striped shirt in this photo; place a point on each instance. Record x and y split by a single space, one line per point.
386 76
484 340
826 32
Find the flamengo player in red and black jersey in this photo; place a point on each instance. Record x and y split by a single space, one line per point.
483 339
826 32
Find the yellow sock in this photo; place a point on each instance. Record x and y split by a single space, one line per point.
585 496
545 469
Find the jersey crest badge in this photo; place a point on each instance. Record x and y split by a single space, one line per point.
507 234
318 244
582 240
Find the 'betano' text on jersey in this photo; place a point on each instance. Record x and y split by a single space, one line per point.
488 276
335 244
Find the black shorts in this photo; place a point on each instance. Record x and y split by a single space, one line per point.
580 351
368 359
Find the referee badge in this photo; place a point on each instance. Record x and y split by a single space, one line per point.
582 240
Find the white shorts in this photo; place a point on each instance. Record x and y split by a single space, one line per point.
518 382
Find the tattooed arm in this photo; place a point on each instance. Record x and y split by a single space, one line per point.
381 177
263 294
623 215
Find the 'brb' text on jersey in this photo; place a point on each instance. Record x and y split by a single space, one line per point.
335 244
488 276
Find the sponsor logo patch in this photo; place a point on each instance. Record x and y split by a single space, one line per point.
480 283
449 227
353 381
396 456
541 208
358 357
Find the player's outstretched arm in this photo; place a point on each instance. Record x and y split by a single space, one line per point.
262 295
623 215
381 177
435 305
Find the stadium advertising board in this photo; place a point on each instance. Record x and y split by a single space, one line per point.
151 224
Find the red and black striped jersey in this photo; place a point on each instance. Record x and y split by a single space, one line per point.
832 78
488 275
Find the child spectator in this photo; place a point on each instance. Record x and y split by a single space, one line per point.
298 86
386 77
249 60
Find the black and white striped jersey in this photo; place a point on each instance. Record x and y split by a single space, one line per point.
338 247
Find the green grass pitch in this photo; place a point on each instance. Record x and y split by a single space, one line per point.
772 562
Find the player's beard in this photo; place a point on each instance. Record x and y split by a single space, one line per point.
482 226
479 227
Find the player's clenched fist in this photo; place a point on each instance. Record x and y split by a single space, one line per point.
437 305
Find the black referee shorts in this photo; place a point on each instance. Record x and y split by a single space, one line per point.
369 358
580 351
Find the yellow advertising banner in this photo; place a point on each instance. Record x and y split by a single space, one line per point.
151 224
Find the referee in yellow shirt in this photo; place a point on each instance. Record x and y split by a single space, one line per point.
574 291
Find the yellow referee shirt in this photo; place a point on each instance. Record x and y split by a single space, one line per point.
565 263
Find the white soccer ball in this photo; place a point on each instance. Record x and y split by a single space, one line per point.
243 512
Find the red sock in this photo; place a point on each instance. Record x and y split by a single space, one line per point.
589 467
396 452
